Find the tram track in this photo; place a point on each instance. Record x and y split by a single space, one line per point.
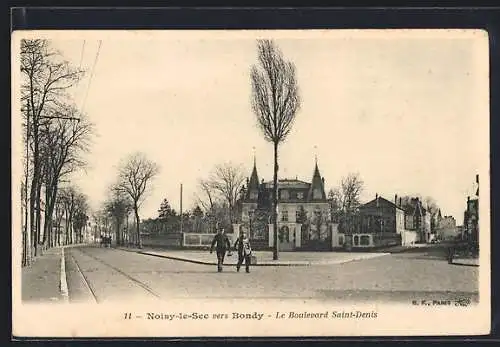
121 272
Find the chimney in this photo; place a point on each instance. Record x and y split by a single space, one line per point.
376 195
395 199
323 180
400 201
468 198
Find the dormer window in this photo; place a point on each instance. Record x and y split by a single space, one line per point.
254 195
284 195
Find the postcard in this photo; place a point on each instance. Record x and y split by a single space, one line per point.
230 183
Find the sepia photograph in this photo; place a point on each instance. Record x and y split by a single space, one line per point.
250 183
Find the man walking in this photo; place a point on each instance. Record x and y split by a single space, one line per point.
221 243
242 245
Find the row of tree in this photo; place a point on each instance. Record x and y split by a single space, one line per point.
56 136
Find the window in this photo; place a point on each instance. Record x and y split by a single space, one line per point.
284 216
284 195
364 240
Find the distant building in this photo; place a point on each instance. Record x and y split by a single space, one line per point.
296 200
471 216
471 220
382 223
418 219
447 228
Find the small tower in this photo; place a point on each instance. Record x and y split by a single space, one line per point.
317 190
253 183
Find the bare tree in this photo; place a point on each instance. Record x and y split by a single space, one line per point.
117 206
351 188
64 142
275 102
73 201
335 202
46 78
134 178
227 180
80 216
207 196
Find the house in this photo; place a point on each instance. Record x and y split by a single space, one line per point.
418 219
298 202
381 223
447 228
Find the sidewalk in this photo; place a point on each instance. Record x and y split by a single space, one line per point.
466 261
263 258
41 280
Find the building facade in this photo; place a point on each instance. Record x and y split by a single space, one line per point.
381 223
298 202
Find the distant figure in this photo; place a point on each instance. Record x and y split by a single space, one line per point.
221 243
242 245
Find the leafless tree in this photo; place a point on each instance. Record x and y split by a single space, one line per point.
227 180
64 143
207 196
45 79
275 102
71 199
80 216
351 188
117 206
134 178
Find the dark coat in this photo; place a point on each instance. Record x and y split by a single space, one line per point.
221 243
239 245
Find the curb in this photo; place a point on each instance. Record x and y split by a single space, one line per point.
63 283
262 264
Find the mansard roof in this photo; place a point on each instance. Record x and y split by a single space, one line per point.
288 183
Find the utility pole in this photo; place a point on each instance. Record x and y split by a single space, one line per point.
181 208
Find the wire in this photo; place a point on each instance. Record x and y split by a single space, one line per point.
81 57
91 75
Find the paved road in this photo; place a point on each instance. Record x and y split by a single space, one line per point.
108 275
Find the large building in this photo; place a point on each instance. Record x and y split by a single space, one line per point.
298 201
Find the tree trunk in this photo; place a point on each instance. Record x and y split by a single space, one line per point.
38 220
118 233
27 233
50 203
137 229
275 203
66 227
34 185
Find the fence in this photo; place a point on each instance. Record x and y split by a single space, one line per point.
173 240
203 240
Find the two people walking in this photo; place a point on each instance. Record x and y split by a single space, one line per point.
222 245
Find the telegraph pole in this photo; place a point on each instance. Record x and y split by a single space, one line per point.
181 208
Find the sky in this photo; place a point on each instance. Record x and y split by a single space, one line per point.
406 110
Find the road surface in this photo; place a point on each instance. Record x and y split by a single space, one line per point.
109 275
